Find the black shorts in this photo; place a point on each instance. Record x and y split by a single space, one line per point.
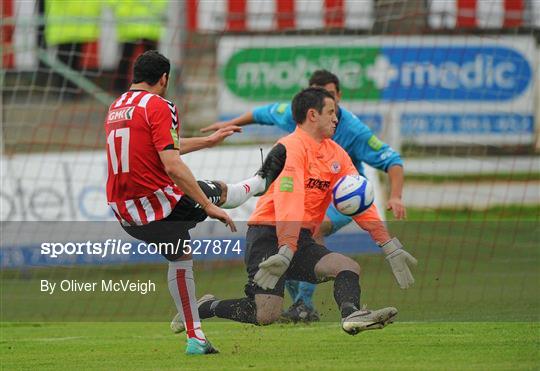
262 242
174 229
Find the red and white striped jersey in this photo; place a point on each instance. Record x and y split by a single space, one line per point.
138 126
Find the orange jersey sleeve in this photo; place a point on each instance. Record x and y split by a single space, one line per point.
289 195
371 222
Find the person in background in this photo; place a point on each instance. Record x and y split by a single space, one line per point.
69 25
139 27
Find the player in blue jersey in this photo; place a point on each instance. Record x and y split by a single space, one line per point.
362 146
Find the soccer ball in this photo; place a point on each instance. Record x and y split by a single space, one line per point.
352 195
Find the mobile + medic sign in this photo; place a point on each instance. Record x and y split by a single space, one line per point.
470 88
387 73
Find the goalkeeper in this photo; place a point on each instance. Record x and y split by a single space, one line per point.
279 238
362 146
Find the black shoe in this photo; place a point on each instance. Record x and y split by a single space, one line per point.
272 166
299 312
204 304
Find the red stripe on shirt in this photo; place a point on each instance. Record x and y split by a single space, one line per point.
142 212
158 210
123 211
171 199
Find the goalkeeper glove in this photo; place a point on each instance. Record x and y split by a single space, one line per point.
399 261
273 268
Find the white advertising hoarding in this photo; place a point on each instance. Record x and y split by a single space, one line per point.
440 90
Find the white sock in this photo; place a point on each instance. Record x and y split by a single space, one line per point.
239 193
182 289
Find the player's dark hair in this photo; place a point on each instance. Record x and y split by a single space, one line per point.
322 78
150 66
305 100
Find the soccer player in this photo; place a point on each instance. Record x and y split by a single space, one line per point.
279 239
153 192
362 146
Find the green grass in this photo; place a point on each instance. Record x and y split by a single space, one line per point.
144 346
517 213
468 271
475 305
474 178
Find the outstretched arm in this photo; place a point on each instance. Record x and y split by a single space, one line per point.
364 146
275 114
395 203
245 119
399 259
188 145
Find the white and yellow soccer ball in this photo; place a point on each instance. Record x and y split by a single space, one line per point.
352 195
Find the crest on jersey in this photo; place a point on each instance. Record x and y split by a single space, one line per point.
281 108
120 114
335 167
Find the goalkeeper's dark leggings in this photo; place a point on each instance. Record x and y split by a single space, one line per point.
346 294
239 310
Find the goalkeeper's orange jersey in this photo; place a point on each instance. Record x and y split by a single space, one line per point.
300 195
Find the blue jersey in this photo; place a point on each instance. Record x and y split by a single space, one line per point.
351 134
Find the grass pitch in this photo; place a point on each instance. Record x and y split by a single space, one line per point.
144 346
475 305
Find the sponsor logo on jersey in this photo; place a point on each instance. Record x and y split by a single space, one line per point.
281 108
174 135
335 167
375 143
286 184
323 185
120 114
